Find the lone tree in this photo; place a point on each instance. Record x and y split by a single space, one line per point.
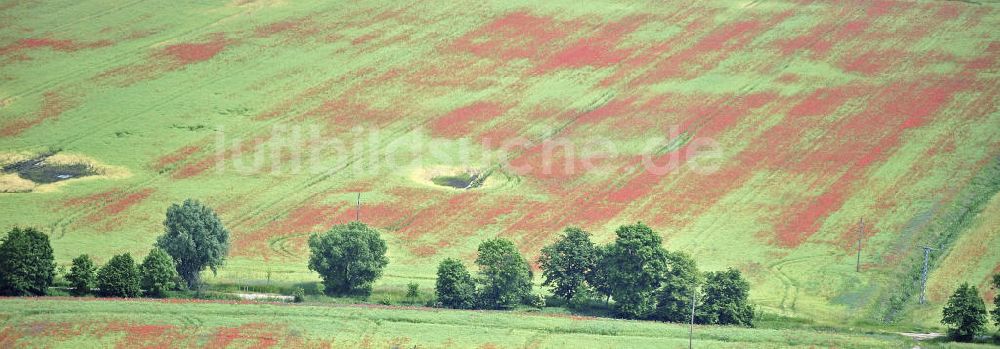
349 258
158 273
504 275
82 275
679 283
195 238
965 314
454 286
119 278
726 299
566 263
638 263
26 263
996 300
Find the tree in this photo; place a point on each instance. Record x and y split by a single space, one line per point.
82 275
349 258
26 263
195 238
726 299
504 275
637 263
965 314
158 273
566 263
454 286
679 284
119 278
996 300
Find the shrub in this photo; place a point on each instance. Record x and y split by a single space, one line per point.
504 275
965 314
26 263
195 238
349 258
82 275
158 273
119 278
535 300
566 263
454 287
298 295
412 290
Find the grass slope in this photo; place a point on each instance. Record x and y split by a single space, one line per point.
824 113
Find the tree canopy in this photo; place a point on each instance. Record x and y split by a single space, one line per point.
637 264
82 275
566 263
195 238
680 283
726 299
504 275
965 314
119 278
454 286
349 258
27 266
158 273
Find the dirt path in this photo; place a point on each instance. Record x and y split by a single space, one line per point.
922 336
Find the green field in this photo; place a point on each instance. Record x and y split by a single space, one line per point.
822 113
55 323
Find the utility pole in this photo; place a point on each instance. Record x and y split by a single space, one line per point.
357 216
861 235
691 327
923 277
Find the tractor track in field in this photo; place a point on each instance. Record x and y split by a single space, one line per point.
114 61
602 99
62 224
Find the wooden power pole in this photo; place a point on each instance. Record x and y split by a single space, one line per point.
357 216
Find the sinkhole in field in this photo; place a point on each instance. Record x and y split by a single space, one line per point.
468 179
39 170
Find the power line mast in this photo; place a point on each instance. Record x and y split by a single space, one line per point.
923 277
861 235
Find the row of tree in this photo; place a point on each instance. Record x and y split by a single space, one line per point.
122 277
644 280
193 240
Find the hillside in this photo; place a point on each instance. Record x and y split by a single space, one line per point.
750 134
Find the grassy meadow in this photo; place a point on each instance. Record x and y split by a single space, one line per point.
279 113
